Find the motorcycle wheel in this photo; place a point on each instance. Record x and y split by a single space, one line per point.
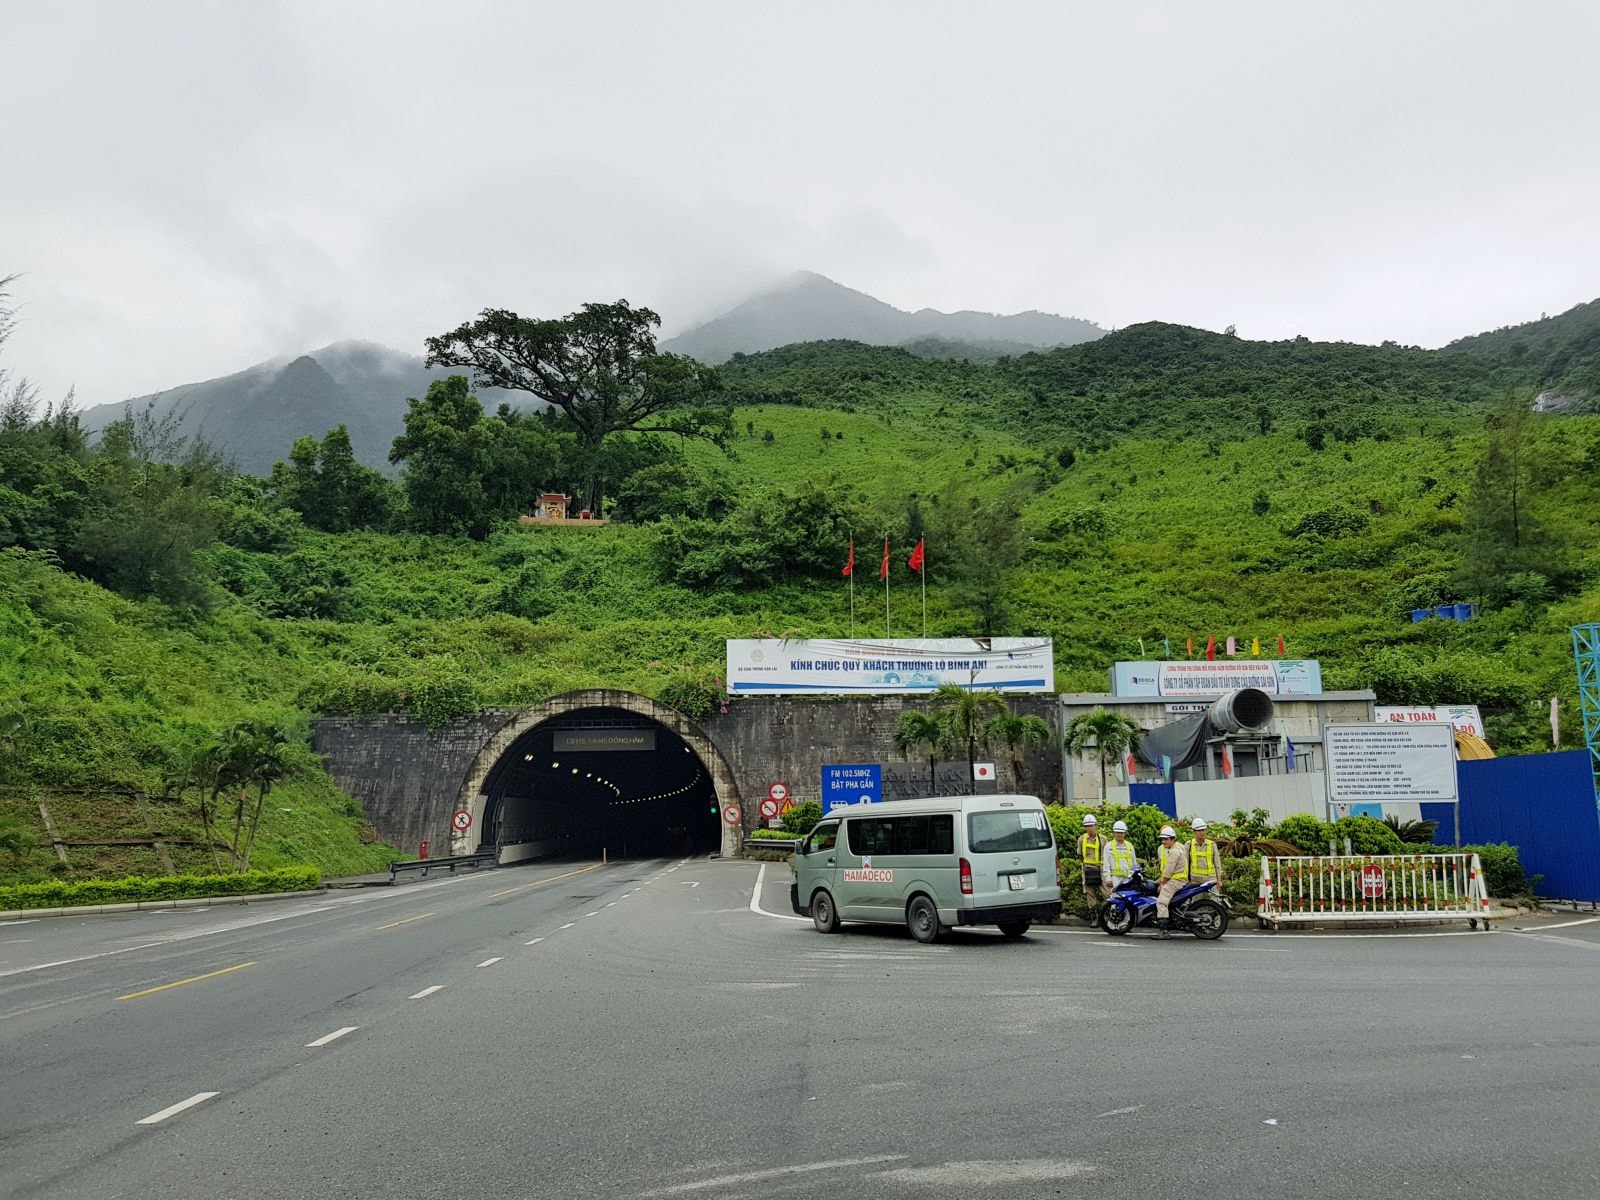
1207 918
1116 919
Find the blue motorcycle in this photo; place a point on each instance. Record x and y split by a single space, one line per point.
1196 908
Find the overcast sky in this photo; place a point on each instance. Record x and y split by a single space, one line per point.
188 188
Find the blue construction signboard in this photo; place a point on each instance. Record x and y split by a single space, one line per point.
851 783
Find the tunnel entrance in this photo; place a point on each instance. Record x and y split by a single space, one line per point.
595 779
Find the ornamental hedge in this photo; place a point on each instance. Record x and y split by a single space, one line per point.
63 894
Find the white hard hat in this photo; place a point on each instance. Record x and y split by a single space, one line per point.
1120 827
1199 824
1088 821
1167 832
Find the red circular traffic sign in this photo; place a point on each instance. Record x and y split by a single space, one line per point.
462 821
731 814
1372 882
769 808
779 791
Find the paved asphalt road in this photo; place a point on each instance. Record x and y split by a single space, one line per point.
660 1038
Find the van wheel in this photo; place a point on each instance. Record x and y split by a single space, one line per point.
923 918
823 915
1014 929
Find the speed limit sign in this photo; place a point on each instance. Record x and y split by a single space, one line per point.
462 821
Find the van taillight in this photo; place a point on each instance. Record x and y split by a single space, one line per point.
966 878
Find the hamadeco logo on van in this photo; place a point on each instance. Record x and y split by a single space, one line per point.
868 875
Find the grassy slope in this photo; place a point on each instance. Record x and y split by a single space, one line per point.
114 686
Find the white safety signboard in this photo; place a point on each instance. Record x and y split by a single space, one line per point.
1370 764
1464 717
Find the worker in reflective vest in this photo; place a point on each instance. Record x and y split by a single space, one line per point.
1090 850
1120 861
1174 874
1204 862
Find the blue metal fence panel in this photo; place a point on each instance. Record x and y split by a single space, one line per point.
1544 805
1163 795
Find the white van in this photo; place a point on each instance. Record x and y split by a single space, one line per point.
930 865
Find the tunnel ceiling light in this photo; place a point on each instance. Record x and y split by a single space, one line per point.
554 765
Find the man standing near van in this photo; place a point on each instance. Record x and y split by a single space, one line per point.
1174 874
1090 851
1120 860
1203 862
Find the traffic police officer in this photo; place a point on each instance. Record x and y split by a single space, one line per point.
1090 850
1174 874
1204 862
1120 861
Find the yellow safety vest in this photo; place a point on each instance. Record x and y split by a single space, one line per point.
1122 859
1203 860
1170 874
1089 850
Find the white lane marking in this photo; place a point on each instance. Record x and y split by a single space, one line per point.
688 883
1265 949
722 1181
1560 925
175 1109
1550 937
611 904
24 921
1119 1112
65 962
988 1173
568 925
331 1037
489 962
535 942
427 991
595 913
755 900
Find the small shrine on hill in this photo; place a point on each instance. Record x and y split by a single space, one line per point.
555 508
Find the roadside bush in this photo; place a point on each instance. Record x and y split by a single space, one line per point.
799 819
1503 873
1367 835
1241 883
444 699
1306 832
63 894
771 834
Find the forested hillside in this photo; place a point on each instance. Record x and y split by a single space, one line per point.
1160 483
1561 353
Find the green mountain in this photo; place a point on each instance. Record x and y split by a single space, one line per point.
807 307
255 415
1562 354
1157 484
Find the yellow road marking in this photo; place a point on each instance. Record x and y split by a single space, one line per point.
181 982
407 921
522 887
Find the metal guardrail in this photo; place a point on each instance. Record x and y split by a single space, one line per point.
483 858
789 844
1368 888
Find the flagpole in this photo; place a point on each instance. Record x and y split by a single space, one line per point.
886 589
852 595
924 573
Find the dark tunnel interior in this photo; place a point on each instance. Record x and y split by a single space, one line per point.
602 779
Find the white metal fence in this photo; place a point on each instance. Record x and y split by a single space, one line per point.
1391 887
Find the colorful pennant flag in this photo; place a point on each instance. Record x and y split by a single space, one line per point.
1255 647
915 561
1190 644
1281 651
1288 752
1233 647
1227 762
850 564
1130 768
1211 648
883 571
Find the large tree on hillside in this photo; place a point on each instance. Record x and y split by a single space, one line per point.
600 367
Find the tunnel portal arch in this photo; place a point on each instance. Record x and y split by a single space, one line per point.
478 795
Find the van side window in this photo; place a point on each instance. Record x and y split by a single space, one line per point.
903 835
824 837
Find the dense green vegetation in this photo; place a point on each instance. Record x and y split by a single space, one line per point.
1561 353
1159 483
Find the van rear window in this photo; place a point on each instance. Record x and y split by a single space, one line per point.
1005 831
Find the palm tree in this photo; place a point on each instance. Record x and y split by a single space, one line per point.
1017 733
964 713
915 729
1109 734
267 763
